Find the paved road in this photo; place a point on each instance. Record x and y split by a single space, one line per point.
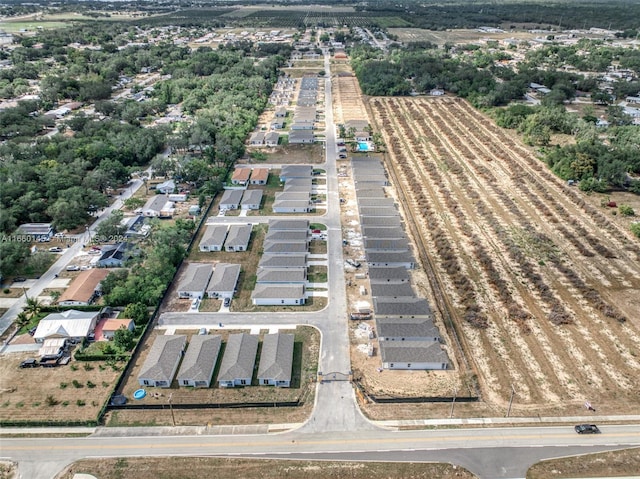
488 453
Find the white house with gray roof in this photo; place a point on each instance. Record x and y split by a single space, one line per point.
278 295
382 232
390 258
213 238
276 360
279 235
199 361
162 361
425 355
376 202
378 211
238 361
386 244
238 238
380 220
295 171
283 261
195 280
224 280
291 206
231 199
251 200
158 206
282 275
407 329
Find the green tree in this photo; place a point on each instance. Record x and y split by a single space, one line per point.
123 339
138 312
635 229
12 254
110 227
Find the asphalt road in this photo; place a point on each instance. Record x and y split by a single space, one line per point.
489 453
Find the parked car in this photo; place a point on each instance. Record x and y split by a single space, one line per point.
29 363
55 249
227 302
73 267
587 429
19 279
202 331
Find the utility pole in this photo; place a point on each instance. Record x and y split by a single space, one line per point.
513 392
173 418
453 402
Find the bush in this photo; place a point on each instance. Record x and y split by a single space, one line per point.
63 385
80 402
635 229
51 401
87 367
90 385
626 210
76 384
6 290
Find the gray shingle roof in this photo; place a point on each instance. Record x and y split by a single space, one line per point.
252 197
276 358
299 171
214 235
200 359
231 197
162 358
382 232
196 277
224 278
412 352
239 357
283 261
289 247
394 290
384 306
376 202
380 220
379 211
238 235
370 190
380 274
269 291
288 225
391 244
279 235
281 275
406 328
389 257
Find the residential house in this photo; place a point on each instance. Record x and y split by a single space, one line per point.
239 360
289 225
283 261
291 206
356 125
224 280
407 329
301 137
257 138
272 138
362 136
194 280
158 206
70 324
376 202
385 307
425 355
278 295
251 200
287 236
166 187
389 275
281 112
241 176
280 247
35 231
52 348
115 256
277 125
390 258
231 199
199 361
276 360
259 176
295 171
161 364
238 238
392 290
380 220
379 211
386 244
282 275
112 325
84 289
298 185
135 226
213 238
383 232
436 92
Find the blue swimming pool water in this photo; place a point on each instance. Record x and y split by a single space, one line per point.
363 146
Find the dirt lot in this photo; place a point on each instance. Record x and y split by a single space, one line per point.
201 467
304 371
24 393
541 289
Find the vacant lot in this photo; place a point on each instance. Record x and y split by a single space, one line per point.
538 289
74 392
201 467
306 349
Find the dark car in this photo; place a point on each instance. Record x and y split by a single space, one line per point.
587 429
19 279
227 302
29 363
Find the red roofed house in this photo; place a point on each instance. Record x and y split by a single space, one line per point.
241 176
112 325
259 176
